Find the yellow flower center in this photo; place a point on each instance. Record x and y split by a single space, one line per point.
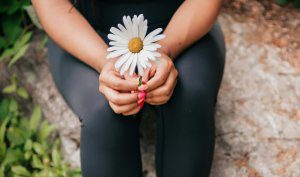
135 45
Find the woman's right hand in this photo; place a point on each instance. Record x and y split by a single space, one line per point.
117 90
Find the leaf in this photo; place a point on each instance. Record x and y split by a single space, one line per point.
12 156
35 118
27 155
38 148
36 162
2 172
44 131
15 136
9 89
56 158
2 43
32 15
20 170
28 145
18 55
2 150
4 103
3 129
6 54
13 106
24 39
11 26
22 93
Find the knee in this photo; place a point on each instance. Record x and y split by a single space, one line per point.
196 94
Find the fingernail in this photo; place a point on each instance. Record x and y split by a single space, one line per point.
142 87
141 95
141 100
132 91
141 105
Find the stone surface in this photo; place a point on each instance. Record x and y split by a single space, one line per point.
258 109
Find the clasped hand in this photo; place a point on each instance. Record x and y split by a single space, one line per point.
160 79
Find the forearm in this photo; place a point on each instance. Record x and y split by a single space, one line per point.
191 21
69 29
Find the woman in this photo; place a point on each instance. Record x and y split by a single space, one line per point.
182 86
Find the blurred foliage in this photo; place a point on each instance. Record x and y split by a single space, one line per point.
15 30
26 147
296 3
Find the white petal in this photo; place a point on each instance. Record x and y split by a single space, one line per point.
140 68
140 24
152 47
142 62
118 33
153 33
133 65
143 30
117 38
128 62
122 60
114 43
148 54
116 48
148 64
117 53
154 39
129 29
142 54
127 26
135 26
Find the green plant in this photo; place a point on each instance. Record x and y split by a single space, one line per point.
283 2
27 148
15 30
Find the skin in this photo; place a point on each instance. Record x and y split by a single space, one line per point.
74 33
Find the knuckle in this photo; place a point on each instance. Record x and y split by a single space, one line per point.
101 78
165 90
116 84
176 73
101 89
117 110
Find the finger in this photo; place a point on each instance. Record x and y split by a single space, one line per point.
120 84
118 109
166 88
133 111
145 78
157 100
117 97
134 78
158 79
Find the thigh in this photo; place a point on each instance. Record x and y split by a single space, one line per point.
109 142
188 117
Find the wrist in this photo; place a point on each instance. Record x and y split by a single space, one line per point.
101 60
166 47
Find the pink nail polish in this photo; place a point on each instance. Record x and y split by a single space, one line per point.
141 105
141 100
141 95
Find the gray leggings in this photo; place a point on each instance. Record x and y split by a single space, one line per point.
185 125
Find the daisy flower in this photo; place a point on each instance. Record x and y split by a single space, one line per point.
131 45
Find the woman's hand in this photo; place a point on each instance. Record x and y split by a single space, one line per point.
117 90
163 79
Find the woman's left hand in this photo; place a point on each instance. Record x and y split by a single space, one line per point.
162 80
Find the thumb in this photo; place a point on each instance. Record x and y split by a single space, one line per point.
133 78
145 77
